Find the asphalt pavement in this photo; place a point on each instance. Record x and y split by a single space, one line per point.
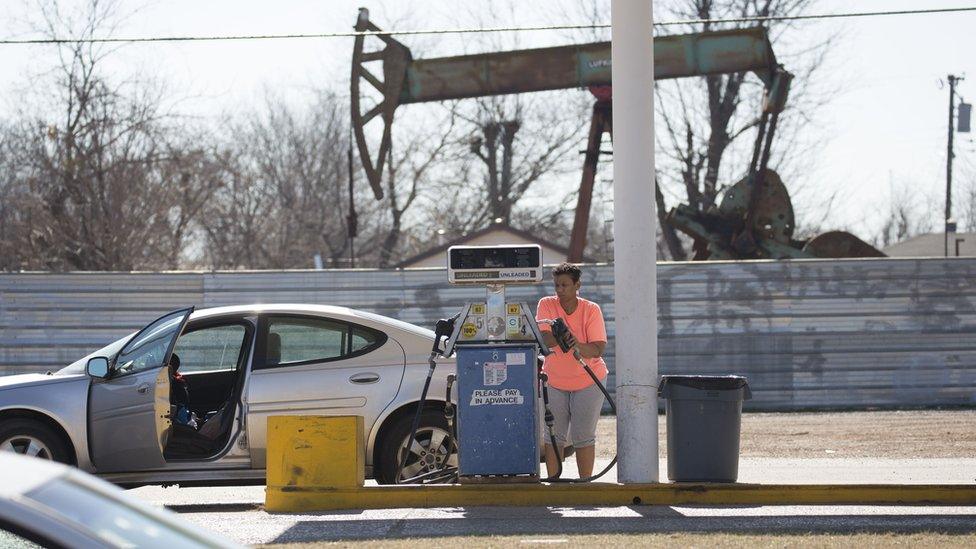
236 511
254 527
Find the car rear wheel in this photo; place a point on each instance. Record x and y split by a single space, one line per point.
432 450
32 438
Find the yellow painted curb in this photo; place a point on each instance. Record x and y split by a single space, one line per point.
293 499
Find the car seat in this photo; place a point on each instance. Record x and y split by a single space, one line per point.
205 442
273 352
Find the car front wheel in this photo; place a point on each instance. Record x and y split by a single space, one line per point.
32 438
432 449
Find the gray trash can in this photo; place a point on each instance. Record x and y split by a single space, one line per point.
704 418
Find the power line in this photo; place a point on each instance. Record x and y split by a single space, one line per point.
758 19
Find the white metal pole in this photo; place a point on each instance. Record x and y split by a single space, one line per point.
634 270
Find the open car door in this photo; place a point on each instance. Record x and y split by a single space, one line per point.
129 411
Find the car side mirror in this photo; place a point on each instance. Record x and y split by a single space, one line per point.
98 367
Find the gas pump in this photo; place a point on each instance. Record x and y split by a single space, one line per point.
497 343
495 421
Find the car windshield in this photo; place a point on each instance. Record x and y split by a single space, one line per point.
117 522
80 366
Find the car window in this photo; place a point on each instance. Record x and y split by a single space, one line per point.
363 339
114 520
293 340
303 340
210 349
148 349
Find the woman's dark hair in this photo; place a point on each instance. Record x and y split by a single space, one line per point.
567 269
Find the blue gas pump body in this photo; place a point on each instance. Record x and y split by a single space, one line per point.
498 433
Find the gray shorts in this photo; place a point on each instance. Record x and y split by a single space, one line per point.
576 414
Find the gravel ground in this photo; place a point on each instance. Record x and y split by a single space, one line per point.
882 434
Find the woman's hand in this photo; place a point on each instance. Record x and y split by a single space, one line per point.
549 339
590 350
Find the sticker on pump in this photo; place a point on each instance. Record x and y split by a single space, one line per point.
496 397
515 359
513 326
495 373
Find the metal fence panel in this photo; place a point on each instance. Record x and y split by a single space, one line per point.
808 334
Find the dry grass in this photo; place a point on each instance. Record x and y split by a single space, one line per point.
861 541
886 434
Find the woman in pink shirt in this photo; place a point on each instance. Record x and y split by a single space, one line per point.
574 398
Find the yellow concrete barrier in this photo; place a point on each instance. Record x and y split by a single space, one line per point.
313 453
607 494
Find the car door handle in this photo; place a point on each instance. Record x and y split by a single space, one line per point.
142 389
364 378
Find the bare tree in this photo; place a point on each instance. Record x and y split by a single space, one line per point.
967 205
412 171
511 144
14 202
907 216
519 140
285 197
97 182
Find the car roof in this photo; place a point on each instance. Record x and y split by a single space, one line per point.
315 309
20 474
272 308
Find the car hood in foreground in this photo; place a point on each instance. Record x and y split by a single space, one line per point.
23 380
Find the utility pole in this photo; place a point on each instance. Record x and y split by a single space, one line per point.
352 220
952 115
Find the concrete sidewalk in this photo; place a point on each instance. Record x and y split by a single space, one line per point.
831 471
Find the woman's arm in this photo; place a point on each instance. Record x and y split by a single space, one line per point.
592 349
596 332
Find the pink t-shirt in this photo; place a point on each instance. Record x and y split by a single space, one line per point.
587 326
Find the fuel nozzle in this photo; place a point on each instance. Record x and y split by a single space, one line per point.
561 332
443 329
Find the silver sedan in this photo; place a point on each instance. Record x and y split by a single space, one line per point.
186 399
45 504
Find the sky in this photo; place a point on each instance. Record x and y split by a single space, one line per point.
882 135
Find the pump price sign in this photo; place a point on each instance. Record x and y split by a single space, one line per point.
494 264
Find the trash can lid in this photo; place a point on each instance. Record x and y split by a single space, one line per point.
706 383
